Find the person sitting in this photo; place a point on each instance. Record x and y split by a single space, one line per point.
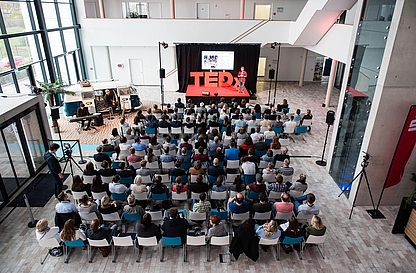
218 154
115 137
115 157
285 117
137 125
242 133
190 115
89 169
214 123
152 122
238 204
268 231
189 123
247 145
185 143
278 123
245 241
203 206
82 111
79 186
247 167
199 186
275 145
154 144
258 186
100 157
292 231
133 158
145 228
219 186
200 143
125 171
138 146
283 105
297 116
307 116
143 171
279 186
286 170
107 147
167 157
213 146
157 187
247 116
106 169
284 206
201 124
137 186
268 157
168 143
255 136
99 232
179 104
69 233
44 232
251 156
270 133
217 228
177 171
149 115
260 145
144 135
64 206
87 205
116 187
290 123
300 184
175 225
201 156
265 122
263 205
252 123
183 157
237 185
282 156
131 207
240 123
124 146
201 108
179 187
163 123
213 134
270 169
124 125
309 207
106 207
316 228
215 170
99 186
232 153
197 168
175 123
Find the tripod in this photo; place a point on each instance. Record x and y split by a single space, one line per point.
362 173
322 162
69 159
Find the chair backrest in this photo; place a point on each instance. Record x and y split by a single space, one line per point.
98 195
140 196
193 178
268 242
284 141
186 165
195 240
136 165
273 195
163 130
132 217
176 130
98 243
107 179
49 243
313 239
165 177
117 196
167 165
122 241
269 178
76 243
78 194
240 216
188 130
232 164
171 241
230 177
260 153
195 195
253 195
218 195
197 216
160 196
262 215
146 179
287 178
153 165
212 179
184 179
277 130
126 180
109 153
307 122
141 153
301 129
268 141
85 216
234 193
115 164
181 196
220 241
88 178
111 217
278 164
302 216
290 128
179 211
145 141
295 194
150 241
222 214
151 131
283 216
263 164
240 142
292 241
156 215
276 151
157 152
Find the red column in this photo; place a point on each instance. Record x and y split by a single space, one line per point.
172 8
242 4
101 6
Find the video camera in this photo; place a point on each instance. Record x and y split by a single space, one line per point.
68 149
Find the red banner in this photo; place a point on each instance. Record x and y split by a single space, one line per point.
403 150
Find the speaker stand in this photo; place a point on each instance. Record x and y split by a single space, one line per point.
322 162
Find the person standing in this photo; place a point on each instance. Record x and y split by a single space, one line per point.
55 168
242 75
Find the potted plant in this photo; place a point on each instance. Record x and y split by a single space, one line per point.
405 210
412 195
48 91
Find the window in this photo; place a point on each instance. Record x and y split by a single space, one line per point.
135 9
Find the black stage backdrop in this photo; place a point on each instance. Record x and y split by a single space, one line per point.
189 60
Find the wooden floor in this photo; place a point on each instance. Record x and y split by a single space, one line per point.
357 245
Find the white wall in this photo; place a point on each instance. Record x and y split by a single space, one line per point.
291 8
349 18
229 9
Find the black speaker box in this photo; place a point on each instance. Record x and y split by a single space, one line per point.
271 73
162 73
330 117
55 113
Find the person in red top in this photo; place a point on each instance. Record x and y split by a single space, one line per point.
201 156
242 75
258 186
285 205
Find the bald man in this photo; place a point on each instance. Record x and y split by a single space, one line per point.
213 146
238 204
215 170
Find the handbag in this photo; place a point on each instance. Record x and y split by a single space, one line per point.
106 251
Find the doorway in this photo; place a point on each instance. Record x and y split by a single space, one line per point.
202 10
136 71
155 10
262 12
261 71
91 10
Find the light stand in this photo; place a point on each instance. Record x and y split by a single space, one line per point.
69 159
277 67
162 72
322 162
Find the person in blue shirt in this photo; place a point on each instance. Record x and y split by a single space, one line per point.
64 206
240 123
184 158
179 104
232 153
139 146
297 116
268 157
238 204
166 157
152 123
219 186
175 123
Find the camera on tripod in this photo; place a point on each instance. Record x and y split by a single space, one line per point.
68 149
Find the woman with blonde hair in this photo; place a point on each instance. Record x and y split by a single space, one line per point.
268 230
316 228
43 231
106 207
69 233
300 184
137 186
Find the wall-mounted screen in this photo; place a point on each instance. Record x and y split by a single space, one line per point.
217 60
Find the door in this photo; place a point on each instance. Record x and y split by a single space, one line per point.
136 71
155 10
262 12
91 10
202 10
261 71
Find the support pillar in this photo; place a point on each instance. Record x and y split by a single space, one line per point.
242 4
302 70
331 81
101 6
172 9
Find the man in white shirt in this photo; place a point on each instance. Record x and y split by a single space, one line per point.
291 122
248 168
116 187
256 135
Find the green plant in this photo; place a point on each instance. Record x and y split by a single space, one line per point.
412 195
48 90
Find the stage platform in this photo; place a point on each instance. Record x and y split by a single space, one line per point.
195 93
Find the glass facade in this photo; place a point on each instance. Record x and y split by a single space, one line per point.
26 46
368 53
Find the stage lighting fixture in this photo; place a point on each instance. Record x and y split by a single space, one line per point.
165 45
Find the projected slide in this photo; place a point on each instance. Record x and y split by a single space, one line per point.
217 60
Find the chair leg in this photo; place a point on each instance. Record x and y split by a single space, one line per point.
139 255
184 252
114 254
301 250
66 254
161 252
208 253
89 254
43 260
278 252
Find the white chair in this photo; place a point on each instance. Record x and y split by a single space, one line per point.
274 195
78 194
249 129
176 130
47 243
240 142
234 194
304 217
88 178
157 152
195 195
98 195
152 165
262 215
136 165
124 153
218 195
232 164
157 115
283 216
140 196
107 179
145 141
141 153
295 194
172 152
150 241
156 215
269 178
317 240
193 178
189 131
226 141
111 217
167 165
287 178
307 122
218 241
146 179
278 164
270 242
284 141
212 128
87 217
197 216
230 178
276 151
163 131
263 164
95 243
264 129
180 197
240 216
165 178
121 242
193 241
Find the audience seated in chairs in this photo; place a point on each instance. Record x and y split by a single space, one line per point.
247 145
265 122
218 155
175 225
175 122
132 207
282 156
256 135
144 135
137 186
309 207
245 241
138 146
89 169
237 184
285 117
215 170
184 157
283 105
99 232
163 123
177 171
179 187
99 186
269 133
316 228
145 228
293 231
64 206
279 186
238 204
79 186
168 143
284 206
115 137
201 156
300 184
286 170
99 156
197 168
69 233
268 231
275 145
143 171
258 186
107 147
133 158
290 122
154 144
213 146
149 114
200 143
263 205
116 187
167 157
157 187
268 157
242 133
203 206
44 232
199 186
260 145
270 169
251 156
278 123
126 171
124 126
233 152
217 228
106 207
116 156
137 125
247 167
88 205
219 186
185 143
179 104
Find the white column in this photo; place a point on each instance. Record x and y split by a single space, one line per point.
302 71
331 81
101 6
